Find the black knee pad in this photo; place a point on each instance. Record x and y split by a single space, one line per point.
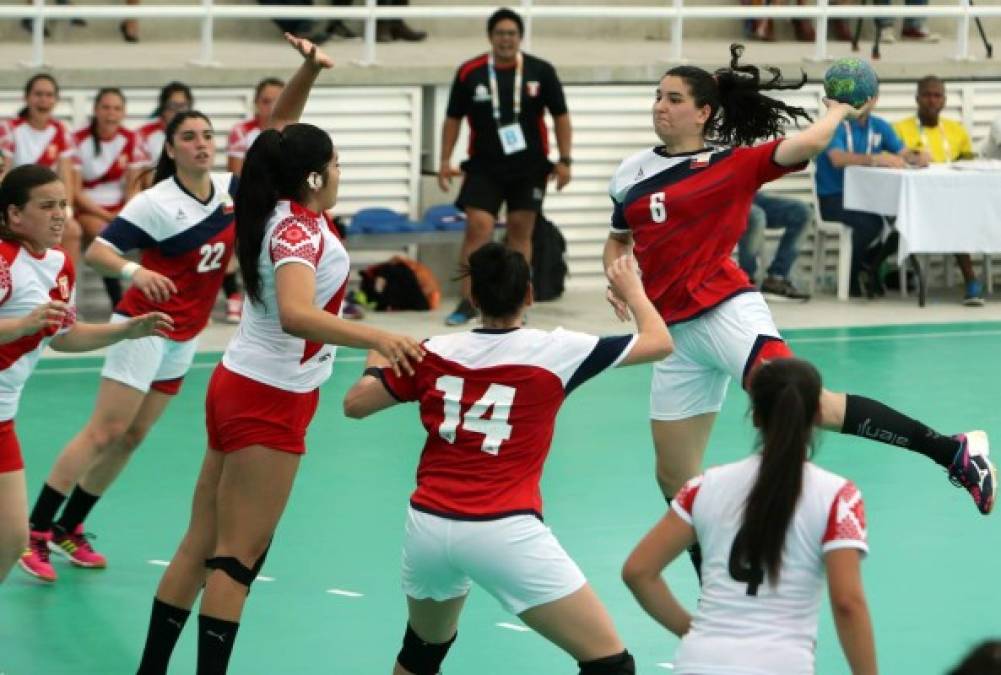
422 658
235 569
618 664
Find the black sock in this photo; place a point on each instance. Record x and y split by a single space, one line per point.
230 286
48 502
113 287
871 419
77 508
165 625
215 644
694 551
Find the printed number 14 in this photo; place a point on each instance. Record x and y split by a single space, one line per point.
495 429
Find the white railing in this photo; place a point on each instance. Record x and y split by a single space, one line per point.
676 13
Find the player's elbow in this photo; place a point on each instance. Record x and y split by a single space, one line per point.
293 321
636 574
848 605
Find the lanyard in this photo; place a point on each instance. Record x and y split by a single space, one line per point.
495 97
850 142
946 148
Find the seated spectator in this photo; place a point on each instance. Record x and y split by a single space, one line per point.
984 659
764 29
35 136
914 27
866 141
304 28
174 97
130 27
111 158
775 213
943 140
396 29
991 148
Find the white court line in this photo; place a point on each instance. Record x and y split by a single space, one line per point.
898 336
667 664
164 563
514 626
194 366
346 594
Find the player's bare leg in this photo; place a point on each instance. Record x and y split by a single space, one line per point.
520 225
434 622
680 446
13 519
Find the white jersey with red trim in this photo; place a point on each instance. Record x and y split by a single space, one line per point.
743 627
27 281
488 400
260 349
241 137
152 134
103 171
22 144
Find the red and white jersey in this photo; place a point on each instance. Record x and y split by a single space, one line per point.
686 213
27 281
760 629
22 144
103 171
152 136
488 400
182 238
241 137
261 349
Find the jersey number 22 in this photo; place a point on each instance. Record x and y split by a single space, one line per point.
495 429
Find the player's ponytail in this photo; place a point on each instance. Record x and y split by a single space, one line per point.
276 167
15 190
499 279
740 113
785 399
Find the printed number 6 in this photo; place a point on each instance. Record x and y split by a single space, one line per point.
658 212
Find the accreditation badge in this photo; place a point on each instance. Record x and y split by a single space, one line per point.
512 139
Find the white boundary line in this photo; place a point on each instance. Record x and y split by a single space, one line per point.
344 593
514 626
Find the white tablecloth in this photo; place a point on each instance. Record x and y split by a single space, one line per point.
940 209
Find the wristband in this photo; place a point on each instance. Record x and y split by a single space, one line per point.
128 270
374 372
565 161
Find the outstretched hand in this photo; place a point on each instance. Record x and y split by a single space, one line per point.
310 51
154 323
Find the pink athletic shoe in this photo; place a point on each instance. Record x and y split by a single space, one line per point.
35 559
74 545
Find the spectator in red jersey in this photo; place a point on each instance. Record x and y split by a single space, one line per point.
488 400
682 207
37 292
183 229
111 158
263 395
35 136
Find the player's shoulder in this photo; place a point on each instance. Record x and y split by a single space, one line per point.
825 485
80 135
631 170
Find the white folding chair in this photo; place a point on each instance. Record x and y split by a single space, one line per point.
823 229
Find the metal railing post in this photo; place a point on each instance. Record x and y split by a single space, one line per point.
368 54
38 36
208 20
676 32
820 46
963 32
526 13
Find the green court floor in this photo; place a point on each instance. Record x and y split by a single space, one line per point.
332 603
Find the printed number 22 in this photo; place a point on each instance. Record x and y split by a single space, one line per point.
658 212
495 429
211 256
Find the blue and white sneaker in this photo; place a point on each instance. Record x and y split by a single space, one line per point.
463 314
973 470
974 294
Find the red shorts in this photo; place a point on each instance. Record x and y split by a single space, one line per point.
10 448
240 412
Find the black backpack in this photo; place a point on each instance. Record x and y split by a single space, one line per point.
549 265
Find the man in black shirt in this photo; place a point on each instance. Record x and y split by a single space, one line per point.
504 94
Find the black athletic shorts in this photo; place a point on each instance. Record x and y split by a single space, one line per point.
486 192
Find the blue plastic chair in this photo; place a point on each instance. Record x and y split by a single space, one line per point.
378 220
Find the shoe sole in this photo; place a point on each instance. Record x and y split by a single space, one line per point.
28 570
775 297
91 566
979 445
976 302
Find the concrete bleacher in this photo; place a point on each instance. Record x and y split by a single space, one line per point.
386 118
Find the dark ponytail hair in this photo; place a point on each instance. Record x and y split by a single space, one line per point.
15 190
169 90
165 167
499 278
101 93
276 167
740 113
23 113
785 398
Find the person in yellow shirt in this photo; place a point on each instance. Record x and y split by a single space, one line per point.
942 140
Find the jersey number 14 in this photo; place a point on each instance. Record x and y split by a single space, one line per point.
495 429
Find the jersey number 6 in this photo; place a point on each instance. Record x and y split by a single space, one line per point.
658 212
495 429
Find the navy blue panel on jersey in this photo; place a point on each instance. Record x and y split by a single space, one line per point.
672 175
619 216
604 354
234 185
126 236
195 236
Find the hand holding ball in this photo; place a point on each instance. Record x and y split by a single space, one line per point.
851 80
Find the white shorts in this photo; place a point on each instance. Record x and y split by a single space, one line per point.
149 362
710 350
516 559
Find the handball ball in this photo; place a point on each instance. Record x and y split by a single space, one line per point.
851 80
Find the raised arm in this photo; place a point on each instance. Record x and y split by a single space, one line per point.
653 340
851 613
289 106
813 140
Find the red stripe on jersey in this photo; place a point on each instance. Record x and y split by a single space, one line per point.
686 496
846 519
489 433
543 134
333 306
471 65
